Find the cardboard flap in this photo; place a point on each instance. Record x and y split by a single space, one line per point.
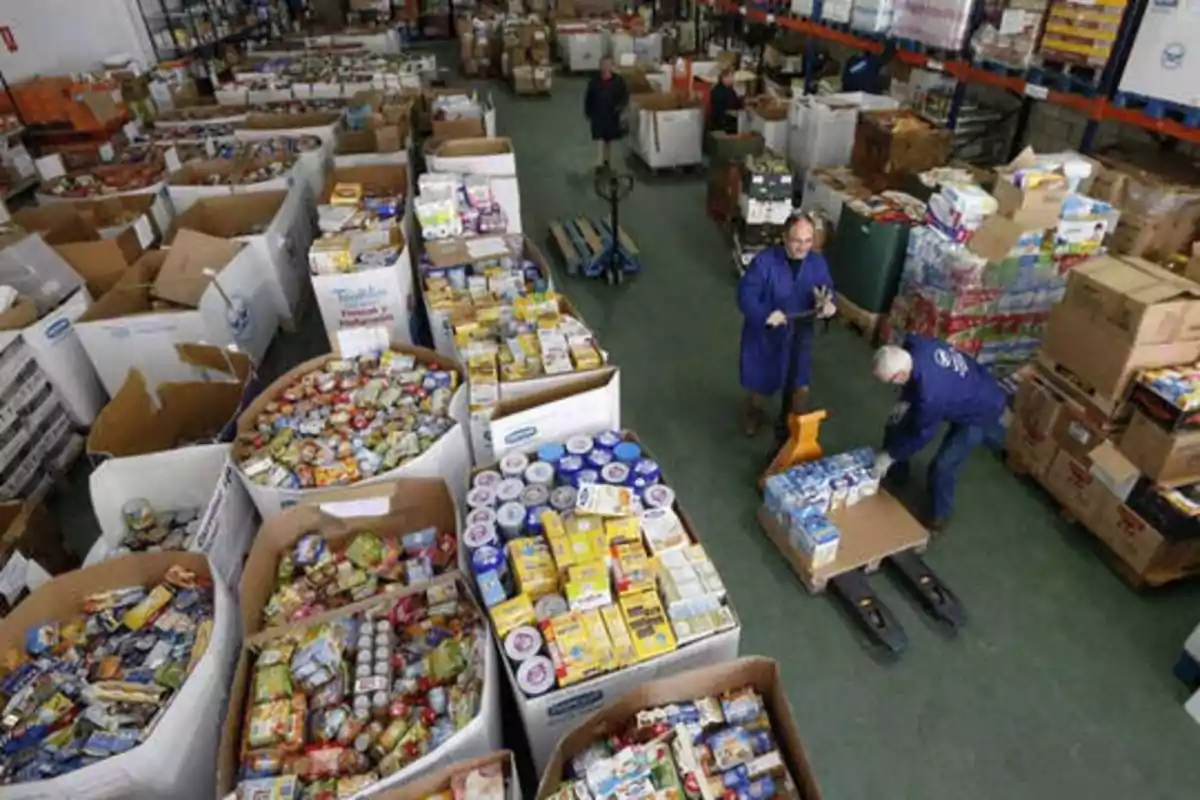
272 122
181 278
236 366
1112 469
458 148
131 294
130 424
21 315
229 216
389 177
996 238
440 781
453 252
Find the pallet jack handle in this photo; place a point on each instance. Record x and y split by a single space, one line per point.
613 187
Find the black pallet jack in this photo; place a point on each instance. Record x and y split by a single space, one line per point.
797 436
613 187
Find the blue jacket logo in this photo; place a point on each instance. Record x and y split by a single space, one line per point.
521 435
1172 55
58 328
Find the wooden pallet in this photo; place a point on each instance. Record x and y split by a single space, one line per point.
867 323
864 544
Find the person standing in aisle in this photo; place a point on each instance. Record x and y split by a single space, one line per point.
723 104
603 104
940 384
782 281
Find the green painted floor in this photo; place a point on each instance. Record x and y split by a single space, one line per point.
1061 687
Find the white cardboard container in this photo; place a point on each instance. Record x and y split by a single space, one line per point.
282 246
375 297
449 458
177 758
545 410
584 49
236 310
1164 62
182 195
668 137
190 477
548 717
821 128
492 157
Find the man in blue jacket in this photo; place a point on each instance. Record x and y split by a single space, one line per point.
782 281
940 385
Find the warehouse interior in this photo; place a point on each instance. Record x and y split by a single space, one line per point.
1068 675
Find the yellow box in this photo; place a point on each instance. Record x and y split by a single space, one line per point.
648 626
552 524
346 194
618 636
622 529
512 613
633 571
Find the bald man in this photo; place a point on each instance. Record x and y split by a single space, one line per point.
781 282
940 384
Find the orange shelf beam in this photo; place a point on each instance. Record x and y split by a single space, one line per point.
1096 108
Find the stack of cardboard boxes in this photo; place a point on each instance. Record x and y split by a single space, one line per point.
526 58
1159 198
1092 434
478 45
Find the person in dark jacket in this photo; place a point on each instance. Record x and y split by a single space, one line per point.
781 281
940 384
723 104
603 104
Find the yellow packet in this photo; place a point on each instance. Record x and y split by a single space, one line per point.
136 617
512 613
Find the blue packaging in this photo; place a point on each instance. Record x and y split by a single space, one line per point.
533 520
551 451
491 575
568 468
646 472
599 459
615 473
608 440
586 476
627 452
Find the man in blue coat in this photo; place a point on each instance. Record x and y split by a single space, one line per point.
940 385
782 281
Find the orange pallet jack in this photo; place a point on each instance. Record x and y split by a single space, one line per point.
797 435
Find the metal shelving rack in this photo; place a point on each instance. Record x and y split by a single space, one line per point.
1097 106
20 132
197 28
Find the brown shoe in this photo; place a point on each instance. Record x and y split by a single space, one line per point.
752 415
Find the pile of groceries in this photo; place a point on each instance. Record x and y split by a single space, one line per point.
151 529
358 229
339 706
711 747
801 498
347 420
584 564
316 576
89 688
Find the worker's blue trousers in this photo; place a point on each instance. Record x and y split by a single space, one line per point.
956 445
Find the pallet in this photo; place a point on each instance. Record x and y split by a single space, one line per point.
582 241
854 553
1188 116
671 170
867 323
1064 76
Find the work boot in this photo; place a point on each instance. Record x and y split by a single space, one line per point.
752 414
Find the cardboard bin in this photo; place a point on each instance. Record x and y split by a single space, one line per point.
176 759
441 781
32 550
761 674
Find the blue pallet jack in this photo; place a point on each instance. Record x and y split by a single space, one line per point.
797 439
588 244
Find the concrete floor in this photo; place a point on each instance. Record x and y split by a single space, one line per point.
1061 685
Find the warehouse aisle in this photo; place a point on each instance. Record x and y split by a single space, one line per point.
1060 687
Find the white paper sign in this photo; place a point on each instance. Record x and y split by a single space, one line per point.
354 342
145 234
171 156
12 577
210 148
50 167
368 507
108 153
132 130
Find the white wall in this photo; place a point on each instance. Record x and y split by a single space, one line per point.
61 36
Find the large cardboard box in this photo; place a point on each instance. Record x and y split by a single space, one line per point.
492 157
148 216
100 260
188 477
1072 483
146 419
761 674
311 166
580 402
1099 354
1140 545
59 297
278 228
389 510
176 758
821 128
1147 303
1171 459
448 458
668 130
1030 441
770 119
196 180
477 738
217 291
